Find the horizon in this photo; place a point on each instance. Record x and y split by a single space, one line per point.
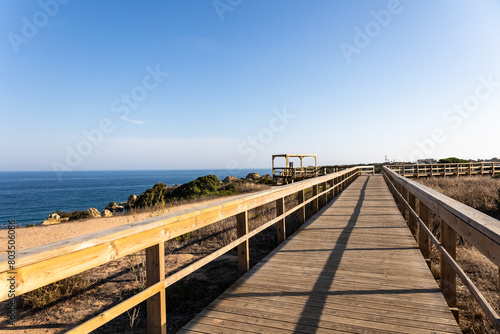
252 168
224 85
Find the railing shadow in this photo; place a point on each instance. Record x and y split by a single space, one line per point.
329 270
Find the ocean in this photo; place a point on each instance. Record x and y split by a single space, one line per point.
29 197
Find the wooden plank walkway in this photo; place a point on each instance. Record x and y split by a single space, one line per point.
352 268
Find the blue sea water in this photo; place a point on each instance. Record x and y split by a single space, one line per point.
29 197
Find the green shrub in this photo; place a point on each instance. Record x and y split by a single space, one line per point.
204 186
266 181
75 215
452 160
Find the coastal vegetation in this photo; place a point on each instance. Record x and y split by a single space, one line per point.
74 215
452 160
203 187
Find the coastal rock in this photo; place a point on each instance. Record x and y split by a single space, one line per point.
54 216
106 213
113 207
267 176
229 179
131 200
94 213
50 222
253 176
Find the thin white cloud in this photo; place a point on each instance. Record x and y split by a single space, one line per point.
134 121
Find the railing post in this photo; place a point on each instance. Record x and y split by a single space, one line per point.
302 209
448 275
412 222
398 198
315 201
156 305
325 195
423 239
332 194
243 250
280 209
404 208
336 190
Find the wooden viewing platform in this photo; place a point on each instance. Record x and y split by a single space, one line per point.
353 267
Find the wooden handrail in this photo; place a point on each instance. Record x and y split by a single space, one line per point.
479 229
447 169
42 265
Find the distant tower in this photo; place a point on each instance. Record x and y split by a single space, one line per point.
386 159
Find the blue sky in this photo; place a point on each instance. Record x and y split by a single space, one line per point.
96 85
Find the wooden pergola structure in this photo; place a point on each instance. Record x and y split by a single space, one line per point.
288 173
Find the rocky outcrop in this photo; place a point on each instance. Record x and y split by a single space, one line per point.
113 207
94 213
229 179
267 176
54 218
253 176
131 200
106 213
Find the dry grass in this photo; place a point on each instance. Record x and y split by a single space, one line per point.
481 193
44 296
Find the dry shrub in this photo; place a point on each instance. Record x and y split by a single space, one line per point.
479 192
46 295
484 274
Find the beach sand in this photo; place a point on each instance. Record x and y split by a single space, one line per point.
29 237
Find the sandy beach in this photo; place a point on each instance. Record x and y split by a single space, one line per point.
30 237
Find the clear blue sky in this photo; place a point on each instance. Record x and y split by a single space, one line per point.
224 84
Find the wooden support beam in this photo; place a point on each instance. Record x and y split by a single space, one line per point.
412 222
280 209
448 275
332 191
403 204
315 202
156 305
243 250
336 190
324 185
423 239
302 210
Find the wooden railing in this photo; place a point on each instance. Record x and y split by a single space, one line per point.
480 230
457 169
296 172
290 174
40 266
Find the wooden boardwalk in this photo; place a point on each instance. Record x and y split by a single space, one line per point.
352 268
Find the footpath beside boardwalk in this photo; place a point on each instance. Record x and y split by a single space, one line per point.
354 267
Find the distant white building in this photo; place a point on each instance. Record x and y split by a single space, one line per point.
426 161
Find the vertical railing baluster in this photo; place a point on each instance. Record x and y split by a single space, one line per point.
243 249
280 209
156 305
315 201
423 239
302 209
448 274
